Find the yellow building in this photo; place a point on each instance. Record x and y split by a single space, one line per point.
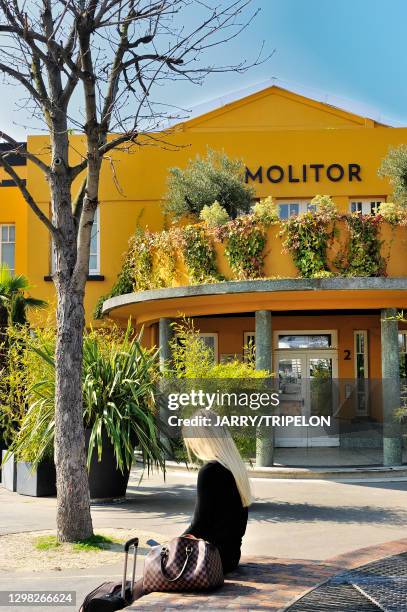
294 147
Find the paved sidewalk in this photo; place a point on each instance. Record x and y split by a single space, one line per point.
268 584
291 522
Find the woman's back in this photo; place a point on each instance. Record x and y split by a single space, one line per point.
219 516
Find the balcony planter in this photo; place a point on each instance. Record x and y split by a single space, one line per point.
37 483
106 481
9 472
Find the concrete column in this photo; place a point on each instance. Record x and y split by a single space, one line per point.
392 440
165 335
264 345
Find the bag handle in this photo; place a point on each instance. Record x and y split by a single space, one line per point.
133 542
164 555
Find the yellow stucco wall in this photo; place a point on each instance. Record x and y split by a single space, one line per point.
273 127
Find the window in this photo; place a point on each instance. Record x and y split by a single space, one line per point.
290 209
249 345
361 354
365 207
8 246
211 341
302 341
94 253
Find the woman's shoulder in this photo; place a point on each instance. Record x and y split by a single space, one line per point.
215 469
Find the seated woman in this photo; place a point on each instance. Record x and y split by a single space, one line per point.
223 489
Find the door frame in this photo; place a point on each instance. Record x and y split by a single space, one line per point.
306 355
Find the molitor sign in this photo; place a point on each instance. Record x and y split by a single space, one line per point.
304 173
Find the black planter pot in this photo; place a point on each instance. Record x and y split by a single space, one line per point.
106 481
38 483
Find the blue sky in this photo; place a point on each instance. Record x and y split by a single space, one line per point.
356 49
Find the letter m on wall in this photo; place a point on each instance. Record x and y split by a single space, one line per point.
254 176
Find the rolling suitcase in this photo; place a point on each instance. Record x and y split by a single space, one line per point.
111 596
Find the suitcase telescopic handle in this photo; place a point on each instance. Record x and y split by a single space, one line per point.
130 543
133 542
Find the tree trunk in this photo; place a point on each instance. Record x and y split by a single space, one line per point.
73 506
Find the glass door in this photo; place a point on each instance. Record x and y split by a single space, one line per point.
291 368
322 397
307 388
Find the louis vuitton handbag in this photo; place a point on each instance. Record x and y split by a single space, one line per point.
186 563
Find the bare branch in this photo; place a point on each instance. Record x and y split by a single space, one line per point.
27 196
20 149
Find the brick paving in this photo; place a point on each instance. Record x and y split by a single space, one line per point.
267 583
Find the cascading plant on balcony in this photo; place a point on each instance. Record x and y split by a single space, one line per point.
199 254
308 237
362 254
245 240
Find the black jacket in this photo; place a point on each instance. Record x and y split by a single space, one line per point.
219 516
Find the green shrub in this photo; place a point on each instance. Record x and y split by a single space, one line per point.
324 207
307 238
214 215
361 255
394 167
119 378
266 211
245 241
393 213
199 255
21 371
193 360
205 180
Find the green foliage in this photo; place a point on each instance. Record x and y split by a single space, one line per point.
324 207
205 180
199 255
245 242
47 542
14 303
21 370
192 358
152 257
119 377
118 396
393 213
93 544
362 254
214 215
307 238
266 211
394 167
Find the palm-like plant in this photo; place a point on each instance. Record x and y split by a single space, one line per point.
119 379
14 303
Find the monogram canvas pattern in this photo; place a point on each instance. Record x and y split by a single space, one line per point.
200 560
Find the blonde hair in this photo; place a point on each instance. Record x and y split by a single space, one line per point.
210 442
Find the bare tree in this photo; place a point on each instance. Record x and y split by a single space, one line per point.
91 66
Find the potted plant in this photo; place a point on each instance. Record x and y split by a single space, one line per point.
119 413
119 409
13 381
14 368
